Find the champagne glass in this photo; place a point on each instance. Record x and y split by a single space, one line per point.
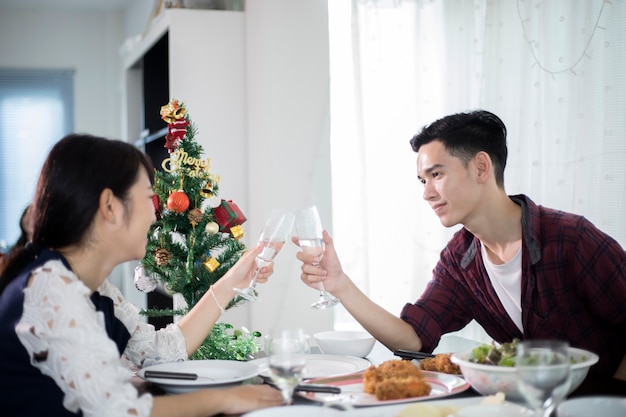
309 231
286 351
543 369
275 232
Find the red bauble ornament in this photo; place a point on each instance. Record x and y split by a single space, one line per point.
178 201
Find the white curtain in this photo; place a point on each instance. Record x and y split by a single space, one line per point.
553 71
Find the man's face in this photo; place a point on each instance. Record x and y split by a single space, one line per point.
449 186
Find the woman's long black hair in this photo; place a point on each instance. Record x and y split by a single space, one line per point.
78 168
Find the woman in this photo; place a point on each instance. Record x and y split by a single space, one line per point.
26 226
64 327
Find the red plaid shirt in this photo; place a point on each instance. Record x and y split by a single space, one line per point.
573 288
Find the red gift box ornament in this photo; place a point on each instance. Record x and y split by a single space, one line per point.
228 215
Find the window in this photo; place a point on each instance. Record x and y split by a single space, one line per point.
36 110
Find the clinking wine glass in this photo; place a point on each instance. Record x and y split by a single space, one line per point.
275 232
286 351
309 231
543 369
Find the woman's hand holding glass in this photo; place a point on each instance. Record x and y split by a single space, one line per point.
275 232
246 267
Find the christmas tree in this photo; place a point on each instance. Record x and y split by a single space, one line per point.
197 236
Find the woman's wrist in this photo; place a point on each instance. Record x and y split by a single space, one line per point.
221 295
220 307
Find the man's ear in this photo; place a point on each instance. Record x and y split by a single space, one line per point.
108 206
484 166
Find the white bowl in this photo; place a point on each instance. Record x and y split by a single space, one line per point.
490 379
602 406
345 342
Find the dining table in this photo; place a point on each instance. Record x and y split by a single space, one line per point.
378 355
305 404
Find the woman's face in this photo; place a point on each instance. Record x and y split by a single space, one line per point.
141 217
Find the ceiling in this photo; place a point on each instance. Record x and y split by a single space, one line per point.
95 5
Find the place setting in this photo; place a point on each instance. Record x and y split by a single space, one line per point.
192 375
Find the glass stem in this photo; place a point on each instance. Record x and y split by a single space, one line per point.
548 411
322 289
321 285
287 395
252 284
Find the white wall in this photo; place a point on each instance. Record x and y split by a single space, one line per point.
84 41
289 133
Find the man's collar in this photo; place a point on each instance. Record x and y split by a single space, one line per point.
530 216
530 226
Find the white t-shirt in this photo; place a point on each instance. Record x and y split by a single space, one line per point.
507 281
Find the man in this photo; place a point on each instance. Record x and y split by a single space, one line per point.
521 270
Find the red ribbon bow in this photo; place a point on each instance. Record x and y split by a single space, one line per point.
175 133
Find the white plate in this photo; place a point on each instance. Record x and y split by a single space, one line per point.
443 385
211 374
318 366
496 410
393 410
603 406
296 410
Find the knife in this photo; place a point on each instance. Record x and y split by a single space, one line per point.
171 375
328 389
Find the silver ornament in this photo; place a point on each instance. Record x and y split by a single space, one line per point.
144 282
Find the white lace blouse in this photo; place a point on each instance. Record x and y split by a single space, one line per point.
60 320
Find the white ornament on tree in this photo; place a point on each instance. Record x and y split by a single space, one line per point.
143 281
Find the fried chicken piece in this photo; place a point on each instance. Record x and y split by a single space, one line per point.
402 387
428 364
440 363
399 369
370 379
395 379
445 365
389 369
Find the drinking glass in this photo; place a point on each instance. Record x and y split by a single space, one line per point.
275 232
543 369
286 351
309 232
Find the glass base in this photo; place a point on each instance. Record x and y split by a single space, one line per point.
325 302
248 293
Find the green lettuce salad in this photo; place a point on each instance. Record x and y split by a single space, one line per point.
503 355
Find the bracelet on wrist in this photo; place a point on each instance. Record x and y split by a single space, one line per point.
221 308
